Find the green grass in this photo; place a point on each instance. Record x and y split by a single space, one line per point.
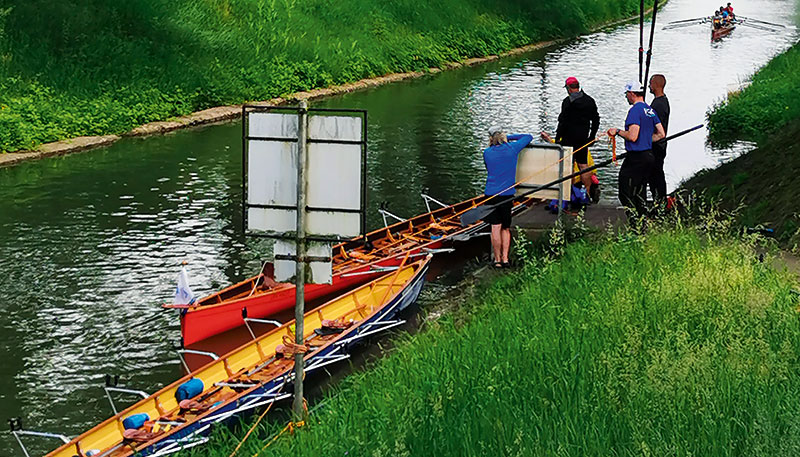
94 67
677 343
761 184
764 107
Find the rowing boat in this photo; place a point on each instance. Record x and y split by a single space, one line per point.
718 33
252 376
353 262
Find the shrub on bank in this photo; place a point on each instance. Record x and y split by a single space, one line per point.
765 106
94 67
678 343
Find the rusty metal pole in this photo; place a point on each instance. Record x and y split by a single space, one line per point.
300 272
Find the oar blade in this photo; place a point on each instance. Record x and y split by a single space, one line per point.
689 20
762 22
475 214
680 26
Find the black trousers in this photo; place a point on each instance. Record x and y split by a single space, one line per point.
633 177
658 181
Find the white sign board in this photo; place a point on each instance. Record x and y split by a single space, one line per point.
335 182
334 171
318 272
538 164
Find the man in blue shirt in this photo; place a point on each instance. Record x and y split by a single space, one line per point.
642 128
500 159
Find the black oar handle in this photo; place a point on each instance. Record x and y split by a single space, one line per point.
650 46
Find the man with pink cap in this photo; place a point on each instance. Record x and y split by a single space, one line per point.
577 125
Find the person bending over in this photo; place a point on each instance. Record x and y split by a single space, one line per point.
500 159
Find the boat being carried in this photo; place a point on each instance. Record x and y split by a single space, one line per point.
353 262
252 376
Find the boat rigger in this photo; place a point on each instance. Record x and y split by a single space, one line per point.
353 262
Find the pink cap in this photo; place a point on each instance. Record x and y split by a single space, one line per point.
571 80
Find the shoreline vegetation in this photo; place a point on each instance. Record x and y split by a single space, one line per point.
90 72
760 183
680 342
766 105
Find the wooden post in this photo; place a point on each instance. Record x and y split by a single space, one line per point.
300 263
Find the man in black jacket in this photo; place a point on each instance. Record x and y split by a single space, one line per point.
660 104
577 125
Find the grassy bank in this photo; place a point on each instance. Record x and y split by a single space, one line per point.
762 183
99 66
765 106
679 343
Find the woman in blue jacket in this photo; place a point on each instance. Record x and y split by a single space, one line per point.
500 159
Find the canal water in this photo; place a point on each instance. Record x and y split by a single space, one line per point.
91 243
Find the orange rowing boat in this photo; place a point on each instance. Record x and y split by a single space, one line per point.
354 262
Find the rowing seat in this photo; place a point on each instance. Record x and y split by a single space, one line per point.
333 327
137 435
138 428
290 348
193 406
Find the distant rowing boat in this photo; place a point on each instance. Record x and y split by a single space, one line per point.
253 376
354 262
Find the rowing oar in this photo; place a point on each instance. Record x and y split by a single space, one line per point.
756 26
688 20
480 212
684 25
641 36
762 22
650 46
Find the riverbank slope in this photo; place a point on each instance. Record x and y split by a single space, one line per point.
767 104
679 342
98 68
762 182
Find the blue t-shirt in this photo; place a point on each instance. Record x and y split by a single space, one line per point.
642 115
501 164
724 14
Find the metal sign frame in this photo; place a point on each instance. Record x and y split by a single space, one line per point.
246 109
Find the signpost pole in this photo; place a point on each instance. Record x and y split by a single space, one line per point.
300 275
560 186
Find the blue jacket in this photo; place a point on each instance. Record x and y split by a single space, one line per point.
501 165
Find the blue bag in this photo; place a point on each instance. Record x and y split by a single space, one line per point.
189 389
136 421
